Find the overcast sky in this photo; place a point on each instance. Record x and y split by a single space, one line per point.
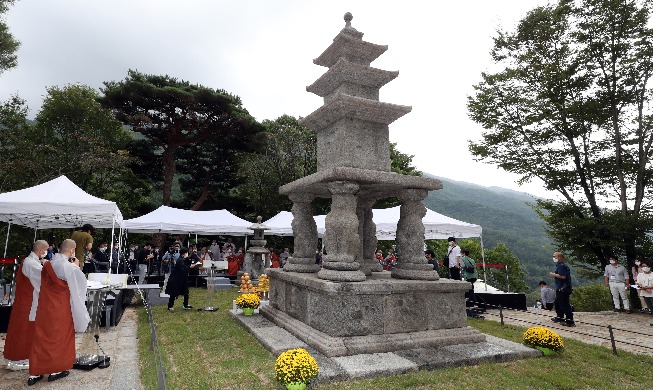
262 51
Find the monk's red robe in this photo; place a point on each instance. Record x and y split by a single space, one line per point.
20 331
53 349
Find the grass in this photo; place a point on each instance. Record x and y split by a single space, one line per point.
208 350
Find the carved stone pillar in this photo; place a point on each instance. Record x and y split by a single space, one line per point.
410 238
305 235
342 241
367 231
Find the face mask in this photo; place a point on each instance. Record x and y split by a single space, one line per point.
638 263
185 255
612 261
115 246
103 249
43 254
646 269
555 259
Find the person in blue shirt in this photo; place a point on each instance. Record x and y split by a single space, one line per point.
562 276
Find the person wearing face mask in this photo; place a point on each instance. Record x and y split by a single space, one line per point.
61 312
562 276
635 271
20 331
101 258
178 280
454 259
645 284
115 259
616 279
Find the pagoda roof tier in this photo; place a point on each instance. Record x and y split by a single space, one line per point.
348 72
373 184
352 47
347 106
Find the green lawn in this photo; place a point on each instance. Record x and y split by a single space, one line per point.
208 350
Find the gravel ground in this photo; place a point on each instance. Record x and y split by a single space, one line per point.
119 343
591 328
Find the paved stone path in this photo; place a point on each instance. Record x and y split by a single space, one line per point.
120 343
586 329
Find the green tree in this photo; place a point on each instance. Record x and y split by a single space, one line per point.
173 113
15 145
289 153
571 108
8 44
74 136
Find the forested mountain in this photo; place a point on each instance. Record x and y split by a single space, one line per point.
505 216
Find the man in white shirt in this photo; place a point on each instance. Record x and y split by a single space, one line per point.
616 279
454 259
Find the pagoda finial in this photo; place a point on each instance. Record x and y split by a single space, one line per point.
348 18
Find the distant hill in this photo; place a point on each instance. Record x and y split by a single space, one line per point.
505 216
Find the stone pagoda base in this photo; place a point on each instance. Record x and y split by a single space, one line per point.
380 314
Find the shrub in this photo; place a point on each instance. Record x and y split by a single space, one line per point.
295 366
250 301
592 298
538 336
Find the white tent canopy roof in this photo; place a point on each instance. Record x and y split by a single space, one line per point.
281 224
172 220
436 225
58 203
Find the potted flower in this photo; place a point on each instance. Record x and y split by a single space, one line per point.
543 339
248 302
295 368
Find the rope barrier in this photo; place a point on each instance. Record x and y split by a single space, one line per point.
576 321
159 367
611 329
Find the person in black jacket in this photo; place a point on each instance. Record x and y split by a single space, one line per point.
178 281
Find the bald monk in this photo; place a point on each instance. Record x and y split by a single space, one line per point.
20 331
61 313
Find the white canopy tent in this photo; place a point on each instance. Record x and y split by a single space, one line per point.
58 203
55 204
436 225
281 224
172 220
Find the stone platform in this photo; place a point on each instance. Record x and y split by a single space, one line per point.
368 365
380 314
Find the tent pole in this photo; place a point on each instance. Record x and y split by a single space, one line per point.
7 239
245 242
483 256
113 228
34 240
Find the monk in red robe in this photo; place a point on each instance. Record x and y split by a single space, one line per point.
20 331
275 260
61 313
232 263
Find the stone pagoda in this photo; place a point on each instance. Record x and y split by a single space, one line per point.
254 263
353 169
350 305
